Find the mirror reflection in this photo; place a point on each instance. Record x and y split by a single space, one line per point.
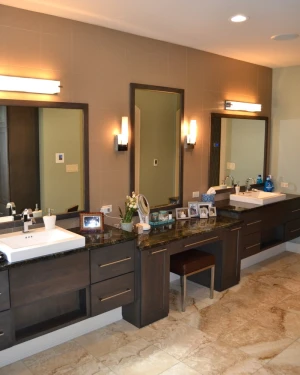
238 149
42 158
156 116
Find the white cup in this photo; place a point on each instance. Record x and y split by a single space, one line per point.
49 222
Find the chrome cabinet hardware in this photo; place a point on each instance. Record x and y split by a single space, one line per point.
250 247
1 333
117 261
254 222
298 209
199 242
232 230
115 295
295 230
158 251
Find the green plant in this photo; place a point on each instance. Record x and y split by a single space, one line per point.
130 208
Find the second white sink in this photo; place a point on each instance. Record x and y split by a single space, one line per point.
258 197
38 242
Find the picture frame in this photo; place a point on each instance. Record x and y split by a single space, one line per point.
91 222
212 211
183 213
193 207
203 211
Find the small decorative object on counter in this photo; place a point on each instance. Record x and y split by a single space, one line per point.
203 209
154 216
163 216
209 196
259 179
91 222
237 188
212 211
49 220
170 215
269 186
130 209
193 207
183 213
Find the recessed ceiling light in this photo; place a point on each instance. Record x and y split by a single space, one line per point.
282 37
239 18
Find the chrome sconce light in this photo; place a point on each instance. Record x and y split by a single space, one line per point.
190 138
242 106
30 85
121 140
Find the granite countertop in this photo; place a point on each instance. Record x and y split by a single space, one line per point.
239 207
110 236
181 229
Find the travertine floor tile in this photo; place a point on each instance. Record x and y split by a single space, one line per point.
217 359
58 360
291 303
281 261
287 362
261 343
17 368
138 357
111 337
180 369
175 337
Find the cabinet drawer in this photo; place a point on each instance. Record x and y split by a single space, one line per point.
4 291
251 244
6 330
292 229
112 261
200 240
47 278
292 209
112 293
252 222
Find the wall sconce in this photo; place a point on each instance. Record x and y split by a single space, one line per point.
242 106
121 140
190 138
31 85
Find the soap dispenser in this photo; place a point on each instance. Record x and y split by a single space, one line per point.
49 220
259 179
37 212
237 188
269 186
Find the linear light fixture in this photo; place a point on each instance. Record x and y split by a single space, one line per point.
242 106
32 85
190 139
121 140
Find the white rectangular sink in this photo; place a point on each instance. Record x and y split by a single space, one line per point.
38 242
258 197
5 219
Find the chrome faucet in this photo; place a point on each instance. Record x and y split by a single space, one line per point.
27 219
231 179
248 185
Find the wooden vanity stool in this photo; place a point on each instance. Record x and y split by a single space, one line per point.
190 262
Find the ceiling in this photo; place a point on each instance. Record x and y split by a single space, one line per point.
201 24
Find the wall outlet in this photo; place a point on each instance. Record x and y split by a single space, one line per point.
285 184
155 162
196 194
106 209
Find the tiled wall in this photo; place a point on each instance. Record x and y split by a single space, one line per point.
96 65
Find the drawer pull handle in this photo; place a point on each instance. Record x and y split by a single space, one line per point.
296 210
115 295
117 261
1 333
295 230
158 251
250 247
199 242
232 230
254 222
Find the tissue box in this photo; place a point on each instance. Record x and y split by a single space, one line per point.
208 198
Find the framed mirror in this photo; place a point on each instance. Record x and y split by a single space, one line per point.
156 115
44 156
238 148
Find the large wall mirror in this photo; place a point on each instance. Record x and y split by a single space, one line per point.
44 156
156 115
238 148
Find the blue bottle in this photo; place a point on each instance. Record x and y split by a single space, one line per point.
269 186
259 179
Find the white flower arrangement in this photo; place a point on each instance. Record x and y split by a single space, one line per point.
130 208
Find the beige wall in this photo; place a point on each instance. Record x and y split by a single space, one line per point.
96 65
286 129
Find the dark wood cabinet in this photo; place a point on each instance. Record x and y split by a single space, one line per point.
6 330
4 291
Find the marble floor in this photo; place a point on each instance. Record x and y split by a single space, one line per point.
252 328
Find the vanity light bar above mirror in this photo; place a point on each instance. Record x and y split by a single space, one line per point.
31 85
242 106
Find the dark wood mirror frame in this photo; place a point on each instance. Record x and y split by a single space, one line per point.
63 105
133 87
215 136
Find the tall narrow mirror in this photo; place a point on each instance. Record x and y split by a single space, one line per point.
238 149
156 115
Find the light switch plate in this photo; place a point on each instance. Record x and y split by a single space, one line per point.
72 168
196 194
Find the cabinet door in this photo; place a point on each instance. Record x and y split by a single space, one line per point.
4 291
6 330
155 269
231 258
